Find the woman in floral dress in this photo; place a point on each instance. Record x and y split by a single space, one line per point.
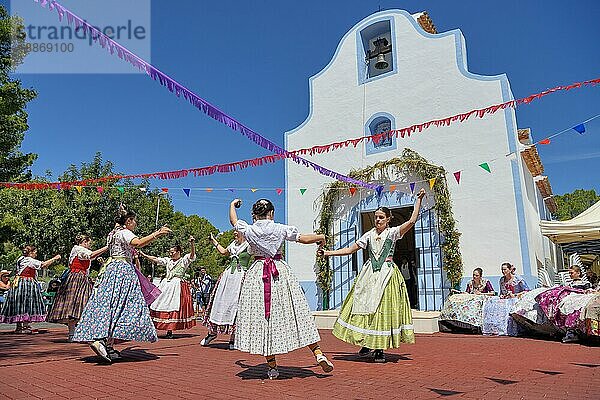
117 308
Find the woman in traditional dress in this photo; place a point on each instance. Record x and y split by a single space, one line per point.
75 292
173 310
117 308
4 285
465 310
562 305
376 313
273 314
223 305
479 285
24 302
496 312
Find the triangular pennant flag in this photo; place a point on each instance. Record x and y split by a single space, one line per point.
121 189
545 141
580 128
302 191
457 177
78 189
253 190
352 191
142 189
379 190
165 190
187 192
412 187
231 190
486 167
279 191
210 190
392 188
431 183
100 189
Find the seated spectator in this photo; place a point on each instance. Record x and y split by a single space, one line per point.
496 312
479 285
563 305
4 284
511 284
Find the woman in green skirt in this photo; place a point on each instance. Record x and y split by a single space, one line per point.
376 313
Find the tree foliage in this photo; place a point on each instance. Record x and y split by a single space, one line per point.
14 165
572 204
51 219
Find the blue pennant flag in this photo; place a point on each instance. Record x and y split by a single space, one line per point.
379 190
580 128
187 192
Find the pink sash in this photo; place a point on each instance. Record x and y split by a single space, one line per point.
149 291
269 270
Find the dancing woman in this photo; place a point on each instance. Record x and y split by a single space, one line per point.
173 310
376 313
74 294
273 314
24 302
117 308
223 306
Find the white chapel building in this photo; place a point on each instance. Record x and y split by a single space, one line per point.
414 75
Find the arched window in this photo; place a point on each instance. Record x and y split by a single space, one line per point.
380 124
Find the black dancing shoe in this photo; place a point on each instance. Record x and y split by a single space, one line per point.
113 354
378 356
364 351
169 335
206 341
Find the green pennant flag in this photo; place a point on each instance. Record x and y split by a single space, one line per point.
302 191
486 167
121 189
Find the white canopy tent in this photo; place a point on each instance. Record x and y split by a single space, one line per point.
584 227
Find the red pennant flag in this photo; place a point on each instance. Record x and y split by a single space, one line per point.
352 191
210 190
100 189
279 191
165 190
457 177
545 141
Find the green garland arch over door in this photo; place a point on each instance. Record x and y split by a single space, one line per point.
410 164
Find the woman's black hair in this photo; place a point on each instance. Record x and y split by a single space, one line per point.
262 208
479 270
385 210
123 215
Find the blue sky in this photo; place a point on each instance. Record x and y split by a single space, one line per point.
254 59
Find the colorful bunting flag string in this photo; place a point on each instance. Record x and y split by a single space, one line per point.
180 90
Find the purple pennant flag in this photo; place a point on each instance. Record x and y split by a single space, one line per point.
580 128
187 192
412 187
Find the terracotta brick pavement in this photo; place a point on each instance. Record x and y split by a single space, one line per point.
437 366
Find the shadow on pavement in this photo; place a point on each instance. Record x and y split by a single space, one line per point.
355 357
259 372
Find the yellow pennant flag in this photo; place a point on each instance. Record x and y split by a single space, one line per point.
431 183
253 190
78 189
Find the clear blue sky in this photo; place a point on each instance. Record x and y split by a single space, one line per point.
254 59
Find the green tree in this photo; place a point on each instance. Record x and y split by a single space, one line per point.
14 165
573 204
51 219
